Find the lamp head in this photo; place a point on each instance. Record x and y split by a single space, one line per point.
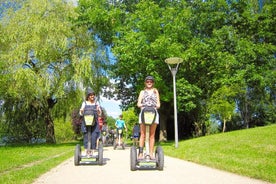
173 60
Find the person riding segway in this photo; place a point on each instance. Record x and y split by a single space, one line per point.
136 134
90 128
120 125
148 102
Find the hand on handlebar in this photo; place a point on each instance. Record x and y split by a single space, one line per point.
143 106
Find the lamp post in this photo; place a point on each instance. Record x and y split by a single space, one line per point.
173 64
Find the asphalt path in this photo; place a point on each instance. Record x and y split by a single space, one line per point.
116 169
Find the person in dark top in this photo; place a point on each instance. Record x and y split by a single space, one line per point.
90 108
136 134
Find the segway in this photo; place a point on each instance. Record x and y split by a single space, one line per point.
148 117
80 159
120 142
104 137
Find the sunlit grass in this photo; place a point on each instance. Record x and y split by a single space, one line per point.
23 164
250 152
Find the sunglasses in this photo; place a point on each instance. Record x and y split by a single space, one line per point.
149 81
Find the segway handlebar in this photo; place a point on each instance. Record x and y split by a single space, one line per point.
144 106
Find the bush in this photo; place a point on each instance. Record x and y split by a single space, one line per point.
63 131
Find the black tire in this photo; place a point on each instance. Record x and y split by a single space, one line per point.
89 135
159 154
114 145
104 141
123 145
133 158
77 156
100 154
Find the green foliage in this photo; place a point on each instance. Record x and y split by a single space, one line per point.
37 66
50 53
131 118
46 61
220 46
222 104
63 130
186 95
110 122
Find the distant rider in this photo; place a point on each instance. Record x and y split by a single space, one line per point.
120 124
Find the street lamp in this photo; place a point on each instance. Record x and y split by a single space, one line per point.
173 64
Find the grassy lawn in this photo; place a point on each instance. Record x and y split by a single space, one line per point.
249 152
23 164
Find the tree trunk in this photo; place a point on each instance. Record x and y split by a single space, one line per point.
50 130
224 125
246 119
163 127
163 124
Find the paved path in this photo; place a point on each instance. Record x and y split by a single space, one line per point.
117 170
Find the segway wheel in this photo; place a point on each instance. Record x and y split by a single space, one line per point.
123 146
77 155
100 155
159 154
114 145
133 158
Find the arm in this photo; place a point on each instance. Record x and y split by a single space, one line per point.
82 109
99 110
116 124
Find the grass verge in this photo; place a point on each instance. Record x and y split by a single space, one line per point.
23 164
250 152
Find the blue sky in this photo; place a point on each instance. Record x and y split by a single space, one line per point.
111 106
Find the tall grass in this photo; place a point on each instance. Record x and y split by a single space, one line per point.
250 152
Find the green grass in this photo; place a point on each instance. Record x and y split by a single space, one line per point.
23 164
250 152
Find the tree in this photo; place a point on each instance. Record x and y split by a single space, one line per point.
131 118
222 43
147 36
47 61
222 104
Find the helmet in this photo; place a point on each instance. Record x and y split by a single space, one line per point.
149 78
89 91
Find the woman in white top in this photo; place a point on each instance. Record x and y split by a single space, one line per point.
149 97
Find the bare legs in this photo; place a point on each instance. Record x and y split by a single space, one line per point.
151 139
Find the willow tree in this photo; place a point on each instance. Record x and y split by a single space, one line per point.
45 59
